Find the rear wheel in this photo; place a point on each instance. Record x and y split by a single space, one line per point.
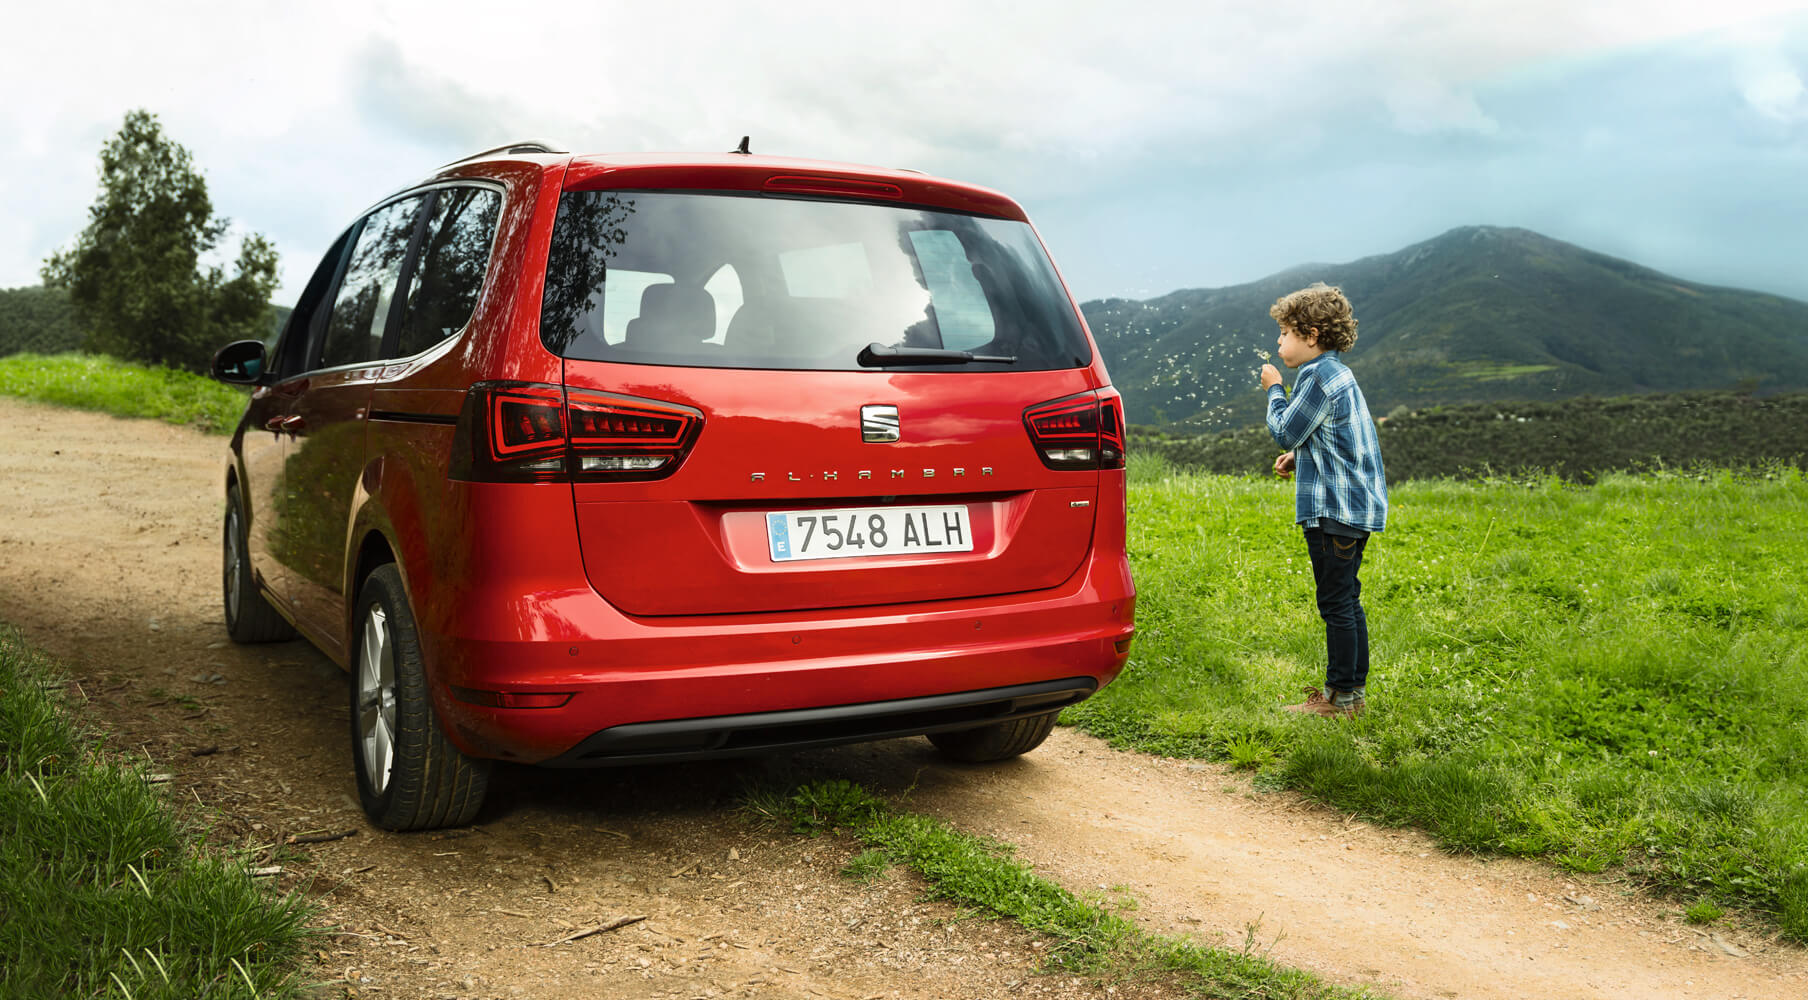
998 741
410 777
249 618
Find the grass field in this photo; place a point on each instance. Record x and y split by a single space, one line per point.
103 892
123 388
1612 677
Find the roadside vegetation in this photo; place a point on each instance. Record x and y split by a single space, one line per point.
1087 937
124 389
1611 677
103 891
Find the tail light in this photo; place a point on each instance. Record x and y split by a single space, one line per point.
1083 431
516 432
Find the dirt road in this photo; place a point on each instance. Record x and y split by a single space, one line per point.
109 560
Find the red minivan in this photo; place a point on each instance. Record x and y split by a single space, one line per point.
597 460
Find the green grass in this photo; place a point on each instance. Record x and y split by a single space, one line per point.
103 892
982 874
1613 677
124 389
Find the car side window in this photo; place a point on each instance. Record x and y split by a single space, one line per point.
354 333
289 354
449 272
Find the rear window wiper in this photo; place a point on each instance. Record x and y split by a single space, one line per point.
879 356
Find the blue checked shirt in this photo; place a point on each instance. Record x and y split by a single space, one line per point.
1337 458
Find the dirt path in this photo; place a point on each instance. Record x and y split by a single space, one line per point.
109 560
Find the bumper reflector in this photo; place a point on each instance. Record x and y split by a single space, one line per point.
512 699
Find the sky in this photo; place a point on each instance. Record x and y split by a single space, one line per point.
1156 145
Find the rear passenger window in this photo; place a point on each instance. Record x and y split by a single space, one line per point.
454 256
360 312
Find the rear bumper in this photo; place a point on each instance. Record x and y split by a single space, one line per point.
689 688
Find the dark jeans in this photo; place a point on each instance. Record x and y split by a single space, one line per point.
1335 562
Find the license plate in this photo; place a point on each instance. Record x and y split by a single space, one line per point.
867 531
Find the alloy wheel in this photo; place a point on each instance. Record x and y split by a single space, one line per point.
235 559
377 698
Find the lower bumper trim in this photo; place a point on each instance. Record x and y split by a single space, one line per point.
763 732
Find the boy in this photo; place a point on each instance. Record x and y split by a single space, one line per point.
1341 492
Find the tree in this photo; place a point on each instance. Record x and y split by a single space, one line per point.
134 274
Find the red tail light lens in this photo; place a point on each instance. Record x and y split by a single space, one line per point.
515 432
1083 431
1111 429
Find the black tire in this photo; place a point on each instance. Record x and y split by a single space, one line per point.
410 777
249 618
998 741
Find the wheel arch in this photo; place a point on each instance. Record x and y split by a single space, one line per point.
374 550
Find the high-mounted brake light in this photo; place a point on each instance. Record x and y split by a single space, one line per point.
833 186
1082 431
518 432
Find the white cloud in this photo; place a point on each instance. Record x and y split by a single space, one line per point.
1775 91
301 115
1425 105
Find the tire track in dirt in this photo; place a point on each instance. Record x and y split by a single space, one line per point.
109 560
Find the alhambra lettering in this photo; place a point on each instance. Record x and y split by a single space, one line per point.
834 475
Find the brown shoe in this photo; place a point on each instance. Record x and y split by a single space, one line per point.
1319 703
1315 702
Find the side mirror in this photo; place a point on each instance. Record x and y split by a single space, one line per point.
240 362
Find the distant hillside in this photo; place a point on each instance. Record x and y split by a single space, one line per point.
40 320
1577 439
37 319
1478 314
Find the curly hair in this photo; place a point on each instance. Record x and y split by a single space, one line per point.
1318 313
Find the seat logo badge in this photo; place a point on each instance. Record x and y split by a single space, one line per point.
878 424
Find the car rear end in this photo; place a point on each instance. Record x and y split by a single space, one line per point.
830 456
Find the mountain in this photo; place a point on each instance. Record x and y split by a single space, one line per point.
1478 314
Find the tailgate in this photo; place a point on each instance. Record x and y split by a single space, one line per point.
784 504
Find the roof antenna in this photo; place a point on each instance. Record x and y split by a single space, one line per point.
742 148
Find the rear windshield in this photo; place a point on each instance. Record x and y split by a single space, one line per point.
728 281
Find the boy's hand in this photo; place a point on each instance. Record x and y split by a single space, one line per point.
1283 466
1271 377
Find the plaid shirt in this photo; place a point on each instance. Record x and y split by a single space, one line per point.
1337 459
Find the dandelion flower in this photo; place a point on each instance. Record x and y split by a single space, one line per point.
1264 355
